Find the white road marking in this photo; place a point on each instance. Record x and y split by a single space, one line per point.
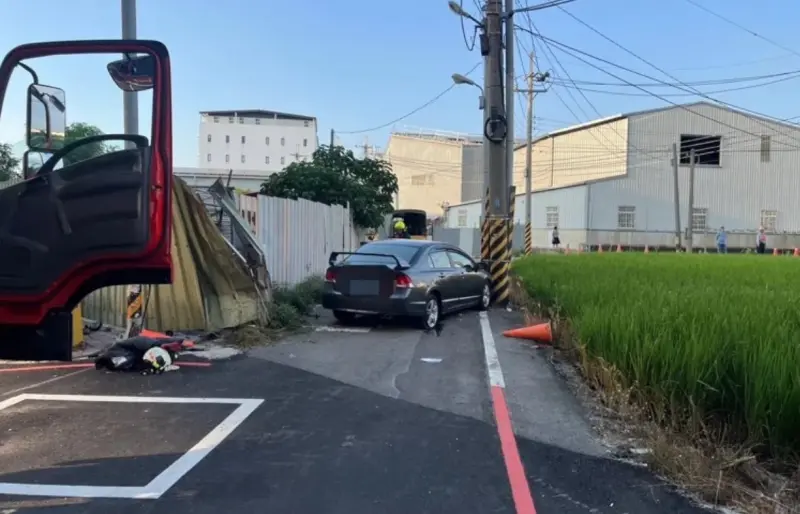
490 351
43 382
358 330
167 478
431 360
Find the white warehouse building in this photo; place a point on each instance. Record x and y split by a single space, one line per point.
614 183
249 144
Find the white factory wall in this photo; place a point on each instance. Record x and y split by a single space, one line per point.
263 148
734 193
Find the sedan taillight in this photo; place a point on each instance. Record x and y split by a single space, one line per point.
403 280
330 276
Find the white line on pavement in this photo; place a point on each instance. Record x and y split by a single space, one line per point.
490 350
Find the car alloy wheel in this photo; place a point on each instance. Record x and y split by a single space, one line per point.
486 296
431 313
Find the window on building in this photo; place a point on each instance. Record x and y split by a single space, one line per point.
283 141
208 157
305 142
305 123
244 158
209 138
707 149
418 180
216 119
462 217
551 217
283 160
266 159
227 139
266 140
769 220
230 119
241 120
766 147
258 121
626 217
244 139
227 158
699 219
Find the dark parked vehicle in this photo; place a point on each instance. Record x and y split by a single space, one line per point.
405 277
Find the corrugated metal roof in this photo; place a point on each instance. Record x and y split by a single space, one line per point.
255 113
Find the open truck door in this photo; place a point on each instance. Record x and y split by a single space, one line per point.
93 210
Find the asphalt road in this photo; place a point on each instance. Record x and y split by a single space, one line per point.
385 420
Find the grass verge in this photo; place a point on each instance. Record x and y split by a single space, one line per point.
701 351
287 314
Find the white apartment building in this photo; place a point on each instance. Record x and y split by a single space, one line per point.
255 142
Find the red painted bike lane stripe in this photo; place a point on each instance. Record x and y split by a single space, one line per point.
520 488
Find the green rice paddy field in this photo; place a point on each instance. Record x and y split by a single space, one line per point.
719 333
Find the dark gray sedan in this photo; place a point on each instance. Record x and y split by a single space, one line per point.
405 277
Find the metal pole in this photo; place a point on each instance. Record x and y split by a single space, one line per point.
130 100
529 155
676 197
332 138
509 93
689 220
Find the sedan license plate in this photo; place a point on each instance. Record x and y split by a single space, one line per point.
364 288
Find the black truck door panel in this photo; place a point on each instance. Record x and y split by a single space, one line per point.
94 208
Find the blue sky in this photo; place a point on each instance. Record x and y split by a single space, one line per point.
357 64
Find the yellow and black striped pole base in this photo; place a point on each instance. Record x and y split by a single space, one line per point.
485 229
528 239
499 255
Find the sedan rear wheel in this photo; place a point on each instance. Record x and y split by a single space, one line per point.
432 313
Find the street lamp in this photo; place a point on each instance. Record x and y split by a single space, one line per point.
459 11
459 79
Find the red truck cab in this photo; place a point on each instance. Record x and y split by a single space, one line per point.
71 227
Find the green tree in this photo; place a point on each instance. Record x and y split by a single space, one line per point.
334 176
80 130
9 165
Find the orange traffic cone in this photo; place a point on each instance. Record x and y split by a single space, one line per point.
796 252
600 249
775 251
646 249
566 250
619 248
542 333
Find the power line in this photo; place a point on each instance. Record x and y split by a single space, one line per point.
742 27
642 59
713 92
411 113
713 82
566 49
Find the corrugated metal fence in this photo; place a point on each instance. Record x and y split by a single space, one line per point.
298 235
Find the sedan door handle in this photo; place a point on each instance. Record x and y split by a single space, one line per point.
442 275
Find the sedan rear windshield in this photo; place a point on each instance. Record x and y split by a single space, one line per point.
403 252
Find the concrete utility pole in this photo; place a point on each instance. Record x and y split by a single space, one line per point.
531 91
509 95
676 196
333 136
496 126
366 147
690 219
130 100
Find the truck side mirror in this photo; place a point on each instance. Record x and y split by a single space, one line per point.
46 125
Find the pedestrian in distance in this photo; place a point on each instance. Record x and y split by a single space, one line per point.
722 240
761 241
554 238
